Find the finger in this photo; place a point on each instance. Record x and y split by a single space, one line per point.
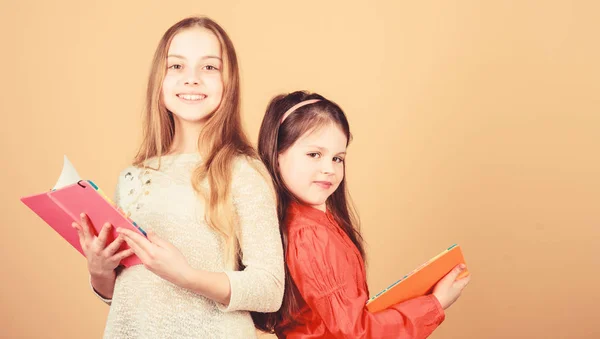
137 249
463 274
114 246
122 255
101 240
155 239
139 239
85 226
463 282
79 234
451 277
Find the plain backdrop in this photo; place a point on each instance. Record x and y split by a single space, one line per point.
474 122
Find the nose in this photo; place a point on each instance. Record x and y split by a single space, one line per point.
327 166
191 78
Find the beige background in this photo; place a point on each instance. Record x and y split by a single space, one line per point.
474 122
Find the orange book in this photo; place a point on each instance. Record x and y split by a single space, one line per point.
420 281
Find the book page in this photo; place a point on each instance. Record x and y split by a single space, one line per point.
68 176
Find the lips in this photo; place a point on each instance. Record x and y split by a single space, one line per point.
324 184
191 96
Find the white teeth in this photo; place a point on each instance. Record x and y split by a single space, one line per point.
192 96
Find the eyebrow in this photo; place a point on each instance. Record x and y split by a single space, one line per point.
322 148
204 57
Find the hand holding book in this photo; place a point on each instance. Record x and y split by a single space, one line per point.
63 205
444 275
451 286
102 256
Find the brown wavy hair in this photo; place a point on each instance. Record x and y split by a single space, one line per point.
274 139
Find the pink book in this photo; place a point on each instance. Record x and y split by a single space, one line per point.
72 196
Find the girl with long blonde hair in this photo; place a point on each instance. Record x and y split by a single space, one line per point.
213 250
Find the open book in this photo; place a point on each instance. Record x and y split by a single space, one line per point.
70 197
420 281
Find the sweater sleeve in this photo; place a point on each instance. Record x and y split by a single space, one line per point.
259 287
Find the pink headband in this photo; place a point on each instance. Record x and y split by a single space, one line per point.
296 106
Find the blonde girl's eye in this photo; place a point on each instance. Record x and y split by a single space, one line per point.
210 68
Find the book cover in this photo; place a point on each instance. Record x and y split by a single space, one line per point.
71 196
420 281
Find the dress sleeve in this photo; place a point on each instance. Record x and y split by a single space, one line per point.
320 269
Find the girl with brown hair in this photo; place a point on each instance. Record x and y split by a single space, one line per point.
302 141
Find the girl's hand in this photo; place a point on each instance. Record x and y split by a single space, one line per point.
159 256
448 290
102 259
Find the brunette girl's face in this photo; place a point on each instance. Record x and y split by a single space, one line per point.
313 167
193 85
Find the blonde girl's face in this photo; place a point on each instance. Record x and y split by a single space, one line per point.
313 167
193 85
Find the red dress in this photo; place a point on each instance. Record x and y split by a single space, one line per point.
330 275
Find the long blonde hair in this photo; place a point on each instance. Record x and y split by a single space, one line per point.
221 141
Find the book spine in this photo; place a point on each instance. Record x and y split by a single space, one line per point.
62 207
103 195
